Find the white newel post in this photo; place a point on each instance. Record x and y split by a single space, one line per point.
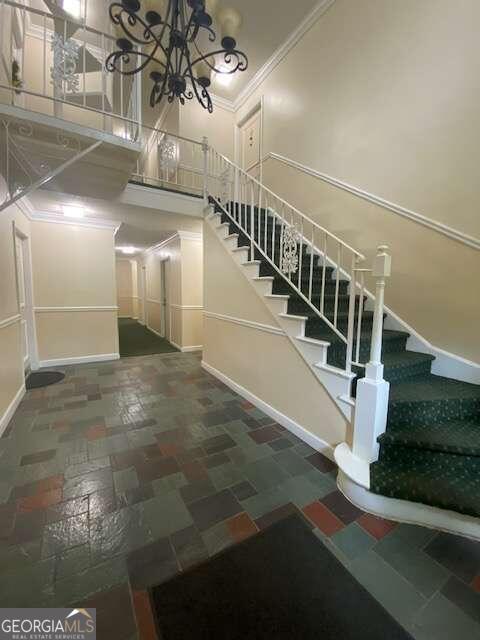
205 170
372 390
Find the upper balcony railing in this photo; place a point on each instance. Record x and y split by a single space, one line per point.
53 64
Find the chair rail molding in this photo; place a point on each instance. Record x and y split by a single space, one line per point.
251 324
7 322
444 229
60 309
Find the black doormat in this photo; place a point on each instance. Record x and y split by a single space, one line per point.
282 583
39 379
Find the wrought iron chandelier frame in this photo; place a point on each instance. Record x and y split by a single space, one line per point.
171 43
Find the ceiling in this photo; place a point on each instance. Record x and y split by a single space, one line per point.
140 228
266 26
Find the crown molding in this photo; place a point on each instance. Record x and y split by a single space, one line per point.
58 218
279 54
222 103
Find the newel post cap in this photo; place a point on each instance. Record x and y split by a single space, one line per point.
382 265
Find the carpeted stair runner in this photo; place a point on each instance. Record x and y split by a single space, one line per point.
430 452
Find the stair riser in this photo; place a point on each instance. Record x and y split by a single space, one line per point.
337 352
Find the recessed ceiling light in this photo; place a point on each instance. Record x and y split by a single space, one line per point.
73 211
128 250
224 79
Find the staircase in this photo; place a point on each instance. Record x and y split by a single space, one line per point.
427 452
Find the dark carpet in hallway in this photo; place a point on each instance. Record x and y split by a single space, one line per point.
136 340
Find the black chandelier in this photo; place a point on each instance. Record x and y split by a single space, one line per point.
171 38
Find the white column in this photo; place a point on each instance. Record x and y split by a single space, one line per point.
372 391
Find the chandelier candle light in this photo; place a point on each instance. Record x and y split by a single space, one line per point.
170 38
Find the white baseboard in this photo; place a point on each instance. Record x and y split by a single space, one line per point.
191 348
12 407
99 357
309 438
408 512
186 349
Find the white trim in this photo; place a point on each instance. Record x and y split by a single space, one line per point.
154 301
178 235
58 218
222 103
408 512
279 54
174 194
196 236
187 307
59 123
12 407
251 324
311 439
72 309
9 321
99 357
188 349
444 229
161 244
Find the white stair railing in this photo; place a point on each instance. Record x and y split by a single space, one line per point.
54 64
314 262
310 258
170 161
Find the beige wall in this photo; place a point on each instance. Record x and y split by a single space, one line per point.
265 364
86 279
183 259
127 293
196 122
382 95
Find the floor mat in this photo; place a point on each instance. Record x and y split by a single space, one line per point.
39 379
136 340
282 583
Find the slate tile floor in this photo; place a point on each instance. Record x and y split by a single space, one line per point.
126 473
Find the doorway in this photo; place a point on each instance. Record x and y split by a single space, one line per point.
249 142
164 299
25 301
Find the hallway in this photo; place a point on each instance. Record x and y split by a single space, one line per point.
128 472
136 339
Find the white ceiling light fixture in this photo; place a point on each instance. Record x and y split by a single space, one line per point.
73 7
73 211
128 251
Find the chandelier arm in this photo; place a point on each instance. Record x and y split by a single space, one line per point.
132 19
111 61
241 58
193 81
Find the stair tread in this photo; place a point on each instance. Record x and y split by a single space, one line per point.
432 387
439 479
461 437
405 358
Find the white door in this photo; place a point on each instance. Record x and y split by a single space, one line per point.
144 295
20 245
250 144
164 299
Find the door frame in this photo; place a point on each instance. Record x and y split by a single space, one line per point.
143 280
237 142
29 297
164 301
